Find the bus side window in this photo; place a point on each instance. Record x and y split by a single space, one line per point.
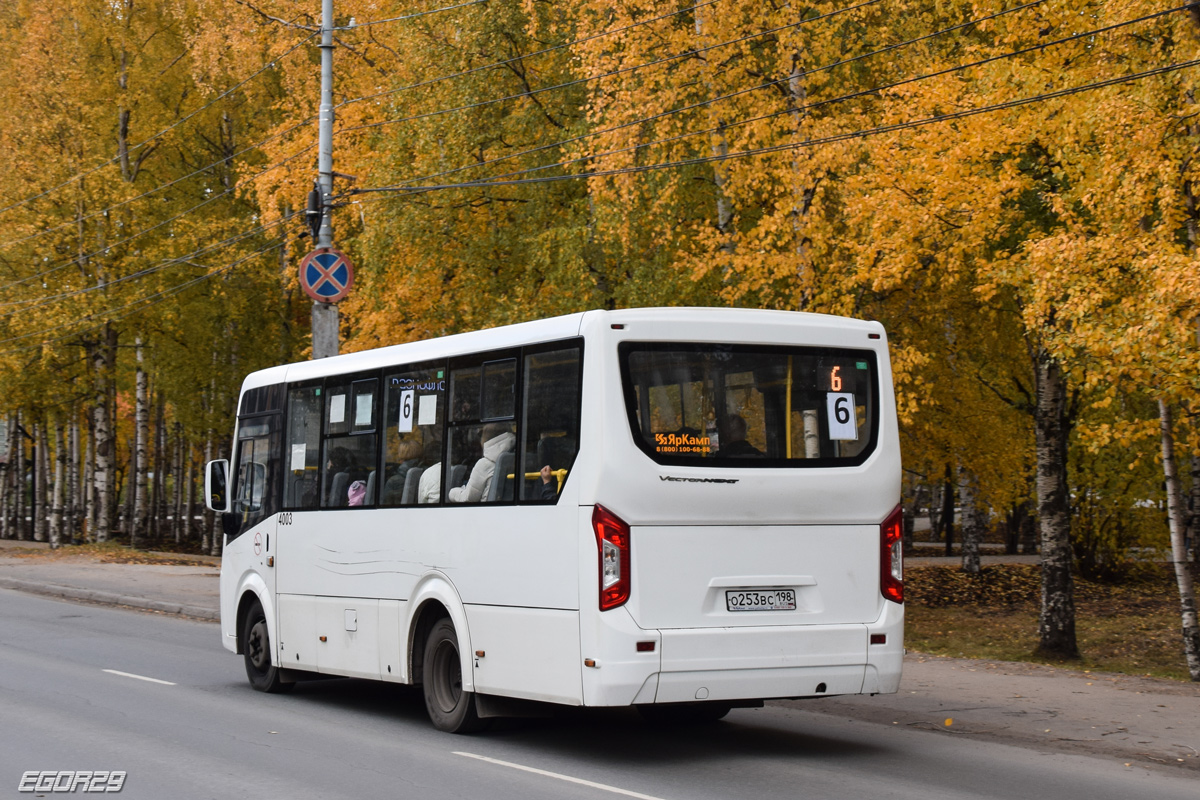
551 422
351 444
413 418
482 439
303 454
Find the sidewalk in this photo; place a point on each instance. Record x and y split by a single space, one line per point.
1140 721
191 591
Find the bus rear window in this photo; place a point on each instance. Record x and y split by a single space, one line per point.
751 406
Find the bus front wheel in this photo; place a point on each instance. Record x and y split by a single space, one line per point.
256 650
450 708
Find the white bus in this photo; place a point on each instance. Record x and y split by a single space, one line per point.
680 509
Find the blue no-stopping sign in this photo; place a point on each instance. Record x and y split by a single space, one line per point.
326 275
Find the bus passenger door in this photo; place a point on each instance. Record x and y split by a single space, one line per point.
249 554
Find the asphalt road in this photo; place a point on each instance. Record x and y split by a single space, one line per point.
74 695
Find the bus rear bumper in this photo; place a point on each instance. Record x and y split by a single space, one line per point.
750 663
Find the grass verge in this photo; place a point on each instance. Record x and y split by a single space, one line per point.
107 553
1132 628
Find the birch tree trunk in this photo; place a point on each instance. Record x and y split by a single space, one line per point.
972 525
105 450
22 530
177 485
1183 576
141 433
158 487
87 495
40 478
1056 622
209 525
8 498
71 503
720 149
188 494
60 476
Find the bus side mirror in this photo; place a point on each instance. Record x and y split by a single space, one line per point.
216 486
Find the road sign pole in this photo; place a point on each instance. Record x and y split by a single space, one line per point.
325 315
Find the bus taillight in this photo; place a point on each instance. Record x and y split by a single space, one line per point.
891 556
612 540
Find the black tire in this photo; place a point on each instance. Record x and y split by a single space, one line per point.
684 713
256 651
450 708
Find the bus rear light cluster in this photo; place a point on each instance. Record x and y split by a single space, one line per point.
891 556
612 540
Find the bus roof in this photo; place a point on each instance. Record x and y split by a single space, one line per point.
563 327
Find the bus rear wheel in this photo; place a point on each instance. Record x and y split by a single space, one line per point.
450 708
256 650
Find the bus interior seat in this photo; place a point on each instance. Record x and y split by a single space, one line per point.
393 489
369 500
501 487
458 475
337 490
411 481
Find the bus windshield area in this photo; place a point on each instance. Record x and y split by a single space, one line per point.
746 406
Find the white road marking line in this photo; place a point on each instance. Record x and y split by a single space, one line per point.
139 677
560 777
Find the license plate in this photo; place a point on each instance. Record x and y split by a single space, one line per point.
760 600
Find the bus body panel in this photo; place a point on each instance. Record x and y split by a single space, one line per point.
885 659
743 684
296 644
530 653
244 570
381 553
832 569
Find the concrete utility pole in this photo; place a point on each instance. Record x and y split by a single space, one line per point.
325 315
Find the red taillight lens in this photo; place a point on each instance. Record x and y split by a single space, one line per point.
612 540
891 557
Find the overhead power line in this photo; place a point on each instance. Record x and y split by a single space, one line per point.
614 73
708 102
228 193
408 16
149 192
269 65
134 306
833 139
202 170
29 305
514 60
497 181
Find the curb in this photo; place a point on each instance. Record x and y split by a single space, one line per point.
109 598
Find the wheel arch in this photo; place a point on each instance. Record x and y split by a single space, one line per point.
252 590
435 598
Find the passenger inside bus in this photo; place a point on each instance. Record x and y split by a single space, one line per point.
408 455
549 487
429 490
738 447
338 468
496 439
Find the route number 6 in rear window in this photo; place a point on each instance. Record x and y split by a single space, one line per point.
842 423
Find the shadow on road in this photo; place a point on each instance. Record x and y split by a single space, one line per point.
619 737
